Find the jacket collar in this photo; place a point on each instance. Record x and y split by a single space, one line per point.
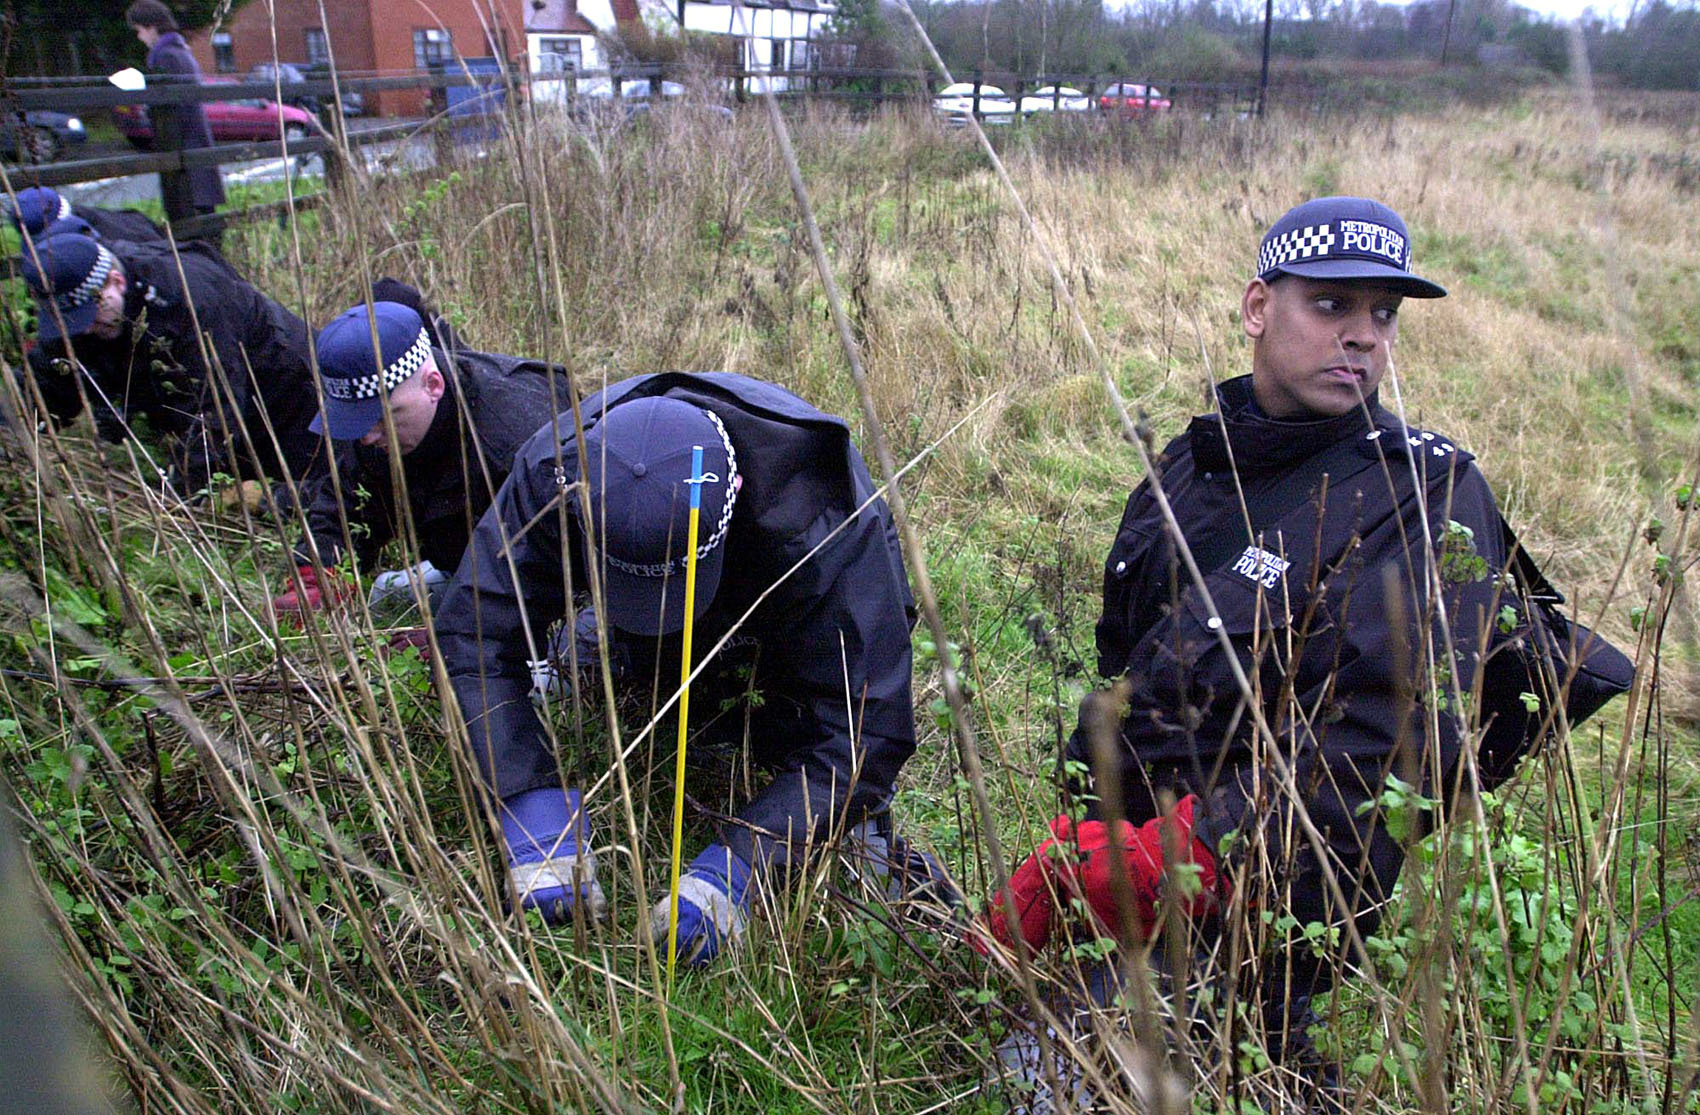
169 40
1261 443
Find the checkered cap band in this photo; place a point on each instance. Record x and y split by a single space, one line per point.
721 526
9 208
89 288
400 370
1339 239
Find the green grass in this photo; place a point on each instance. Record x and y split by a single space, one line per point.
266 873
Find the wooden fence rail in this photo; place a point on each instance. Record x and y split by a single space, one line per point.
163 91
572 90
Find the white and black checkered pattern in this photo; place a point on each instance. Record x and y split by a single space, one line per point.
721 526
9 209
89 288
400 370
1313 242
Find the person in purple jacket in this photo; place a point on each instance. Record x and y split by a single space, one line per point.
184 193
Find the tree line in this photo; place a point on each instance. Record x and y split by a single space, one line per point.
1656 47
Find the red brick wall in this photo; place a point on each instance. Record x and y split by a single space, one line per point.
367 35
348 27
478 29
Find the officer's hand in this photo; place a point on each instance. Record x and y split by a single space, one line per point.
315 594
1077 863
549 855
714 898
1037 887
414 638
249 494
394 587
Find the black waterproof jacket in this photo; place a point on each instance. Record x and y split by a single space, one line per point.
491 406
833 659
130 225
159 367
1324 617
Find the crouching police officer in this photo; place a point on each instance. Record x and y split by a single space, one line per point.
455 418
828 640
179 337
1317 520
39 208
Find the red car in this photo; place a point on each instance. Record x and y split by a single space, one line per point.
230 121
1131 99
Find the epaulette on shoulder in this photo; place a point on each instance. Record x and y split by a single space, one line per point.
1436 453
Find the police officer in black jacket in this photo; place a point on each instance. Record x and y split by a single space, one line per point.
782 487
134 317
39 208
458 417
1352 566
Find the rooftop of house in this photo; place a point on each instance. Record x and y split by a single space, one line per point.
792 5
544 16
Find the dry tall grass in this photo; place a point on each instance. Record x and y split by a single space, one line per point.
254 844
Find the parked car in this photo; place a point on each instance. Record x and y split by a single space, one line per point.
284 74
1053 98
288 73
244 121
955 103
1129 98
41 137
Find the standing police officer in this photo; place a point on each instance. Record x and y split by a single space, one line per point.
1318 521
148 309
827 641
458 417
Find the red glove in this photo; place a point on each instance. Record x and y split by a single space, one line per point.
416 637
314 595
1076 863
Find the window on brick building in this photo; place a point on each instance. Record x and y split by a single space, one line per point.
224 52
318 50
556 56
432 45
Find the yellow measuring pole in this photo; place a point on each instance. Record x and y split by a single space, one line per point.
684 713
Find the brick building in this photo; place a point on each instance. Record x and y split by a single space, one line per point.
367 37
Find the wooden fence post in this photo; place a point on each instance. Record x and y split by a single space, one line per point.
330 119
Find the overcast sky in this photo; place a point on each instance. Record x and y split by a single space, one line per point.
1613 10
1570 9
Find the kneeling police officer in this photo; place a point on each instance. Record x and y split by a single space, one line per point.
792 536
39 209
458 417
179 337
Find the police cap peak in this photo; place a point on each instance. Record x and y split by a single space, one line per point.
353 377
1344 238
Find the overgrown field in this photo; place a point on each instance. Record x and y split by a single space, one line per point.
253 843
